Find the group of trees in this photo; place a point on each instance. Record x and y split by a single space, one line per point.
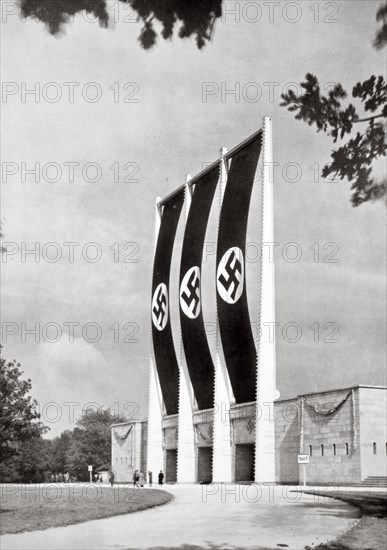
21 430
25 456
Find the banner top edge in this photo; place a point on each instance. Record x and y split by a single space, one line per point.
208 169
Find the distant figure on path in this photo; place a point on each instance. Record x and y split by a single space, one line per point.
111 478
141 479
150 478
67 477
161 477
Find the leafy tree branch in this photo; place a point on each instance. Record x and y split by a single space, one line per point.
197 17
355 159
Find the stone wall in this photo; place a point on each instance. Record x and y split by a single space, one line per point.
126 450
331 440
287 440
373 436
170 431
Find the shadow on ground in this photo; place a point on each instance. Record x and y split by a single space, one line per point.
330 509
210 546
370 504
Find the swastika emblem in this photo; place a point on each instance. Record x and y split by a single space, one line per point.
160 307
190 293
230 275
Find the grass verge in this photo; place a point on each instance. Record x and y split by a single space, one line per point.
36 507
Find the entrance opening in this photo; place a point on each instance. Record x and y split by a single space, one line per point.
204 464
244 462
171 466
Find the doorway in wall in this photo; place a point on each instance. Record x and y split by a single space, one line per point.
171 466
204 464
244 462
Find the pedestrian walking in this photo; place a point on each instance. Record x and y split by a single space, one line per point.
150 478
136 478
141 479
111 478
161 477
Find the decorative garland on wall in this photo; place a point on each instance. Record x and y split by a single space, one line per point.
323 410
123 436
250 425
326 412
204 437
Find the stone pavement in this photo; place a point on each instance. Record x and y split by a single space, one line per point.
215 516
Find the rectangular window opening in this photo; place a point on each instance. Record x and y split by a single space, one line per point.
346 449
334 448
374 448
310 450
322 450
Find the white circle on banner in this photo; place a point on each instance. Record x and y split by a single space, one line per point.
230 275
160 307
190 293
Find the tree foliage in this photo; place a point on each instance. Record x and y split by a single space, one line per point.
197 17
32 463
381 35
19 411
355 159
91 442
35 458
59 448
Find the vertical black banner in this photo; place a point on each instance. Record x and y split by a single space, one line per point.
165 355
233 314
197 352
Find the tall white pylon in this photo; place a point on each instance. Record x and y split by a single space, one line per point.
266 361
155 455
222 445
186 439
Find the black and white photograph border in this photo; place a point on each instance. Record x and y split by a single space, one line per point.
193 280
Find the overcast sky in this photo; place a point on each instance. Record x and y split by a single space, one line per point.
165 112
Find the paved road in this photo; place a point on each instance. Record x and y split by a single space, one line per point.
216 517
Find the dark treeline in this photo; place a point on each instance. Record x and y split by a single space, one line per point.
37 460
26 457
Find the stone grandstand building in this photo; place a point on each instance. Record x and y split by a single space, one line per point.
343 431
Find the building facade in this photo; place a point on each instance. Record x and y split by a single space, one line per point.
343 431
129 445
